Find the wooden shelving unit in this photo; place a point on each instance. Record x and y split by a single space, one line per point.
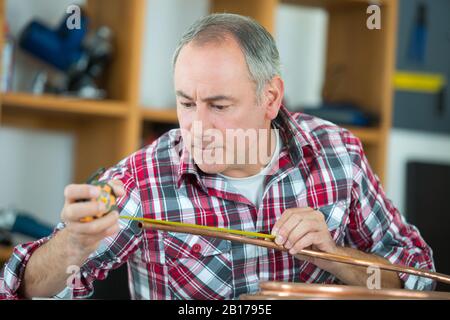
159 115
359 68
51 103
5 253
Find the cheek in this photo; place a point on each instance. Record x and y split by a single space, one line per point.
184 119
227 120
185 127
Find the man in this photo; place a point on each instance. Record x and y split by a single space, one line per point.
312 188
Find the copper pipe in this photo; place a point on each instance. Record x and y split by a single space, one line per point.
280 295
305 252
281 289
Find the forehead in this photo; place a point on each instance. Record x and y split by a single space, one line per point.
212 64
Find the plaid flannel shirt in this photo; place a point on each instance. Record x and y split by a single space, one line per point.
320 165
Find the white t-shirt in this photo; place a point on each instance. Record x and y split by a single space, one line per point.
252 187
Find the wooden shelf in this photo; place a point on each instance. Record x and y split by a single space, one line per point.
61 104
159 115
5 254
366 135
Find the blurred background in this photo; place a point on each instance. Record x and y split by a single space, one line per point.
86 83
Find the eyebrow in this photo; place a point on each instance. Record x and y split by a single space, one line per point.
208 99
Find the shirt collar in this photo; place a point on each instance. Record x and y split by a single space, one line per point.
296 139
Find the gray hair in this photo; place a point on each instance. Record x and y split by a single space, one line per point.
257 44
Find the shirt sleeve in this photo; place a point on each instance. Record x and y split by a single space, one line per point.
11 274
377 227
112 252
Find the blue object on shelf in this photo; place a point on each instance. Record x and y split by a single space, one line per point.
29 226
346 114
61 47
14 221
418 40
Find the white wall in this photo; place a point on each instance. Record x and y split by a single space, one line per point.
35 166
166 20
301 34
406 145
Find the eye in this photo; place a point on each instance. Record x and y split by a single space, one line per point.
219 107
187 104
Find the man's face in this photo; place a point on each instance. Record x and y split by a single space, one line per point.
214 91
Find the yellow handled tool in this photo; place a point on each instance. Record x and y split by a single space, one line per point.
106 196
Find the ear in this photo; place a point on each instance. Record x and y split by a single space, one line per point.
273 97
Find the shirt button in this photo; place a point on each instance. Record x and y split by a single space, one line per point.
196 248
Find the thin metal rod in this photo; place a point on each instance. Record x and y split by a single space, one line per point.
182 224
305 252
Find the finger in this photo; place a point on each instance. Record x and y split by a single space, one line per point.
284 217
111 231
287 215
74 192
117 187
301 229
76 211
96 227
285 229
308 240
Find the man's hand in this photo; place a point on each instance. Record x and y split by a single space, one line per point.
86 236
46 272
301 228
305 228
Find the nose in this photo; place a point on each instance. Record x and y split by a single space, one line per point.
202 117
